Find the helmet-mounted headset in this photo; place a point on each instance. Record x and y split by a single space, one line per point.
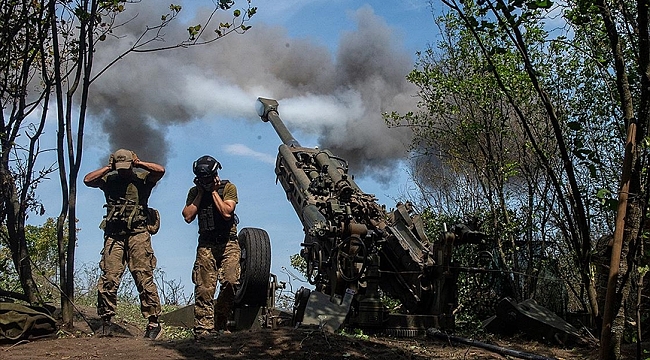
206 166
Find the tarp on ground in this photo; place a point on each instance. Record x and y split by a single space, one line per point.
18 322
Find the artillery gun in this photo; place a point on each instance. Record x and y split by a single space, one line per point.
354 247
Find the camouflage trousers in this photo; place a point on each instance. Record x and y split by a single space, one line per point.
215 262
135 251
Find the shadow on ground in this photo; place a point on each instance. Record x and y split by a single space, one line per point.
285 344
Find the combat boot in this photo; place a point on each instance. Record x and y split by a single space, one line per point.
107 326
154 329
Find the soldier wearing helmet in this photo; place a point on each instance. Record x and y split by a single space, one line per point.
213 202
127 183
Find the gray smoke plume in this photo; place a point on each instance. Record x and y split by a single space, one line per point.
338 97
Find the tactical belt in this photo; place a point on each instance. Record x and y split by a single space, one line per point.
214 237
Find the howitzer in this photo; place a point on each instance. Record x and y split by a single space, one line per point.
354 246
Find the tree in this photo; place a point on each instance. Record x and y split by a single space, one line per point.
624 27
48 48
584 89
83 27
42 249
23 48
475 132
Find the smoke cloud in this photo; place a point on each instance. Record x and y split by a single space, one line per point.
338 97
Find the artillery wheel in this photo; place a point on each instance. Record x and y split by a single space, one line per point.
351 252
255 266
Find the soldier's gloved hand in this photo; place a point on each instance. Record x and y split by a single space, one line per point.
111 162
209 187
203 185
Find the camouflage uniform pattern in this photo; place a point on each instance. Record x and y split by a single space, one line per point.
136 252
127 243
217 261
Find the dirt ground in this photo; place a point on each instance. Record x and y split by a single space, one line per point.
127 343
284 343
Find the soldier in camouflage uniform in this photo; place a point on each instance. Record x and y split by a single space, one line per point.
213 201
127 183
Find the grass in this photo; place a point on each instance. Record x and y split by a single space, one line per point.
128 311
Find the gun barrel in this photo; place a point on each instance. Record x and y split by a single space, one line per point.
267 109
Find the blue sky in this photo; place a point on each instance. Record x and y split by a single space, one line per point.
333 65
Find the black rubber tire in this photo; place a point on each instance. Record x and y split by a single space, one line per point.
255 267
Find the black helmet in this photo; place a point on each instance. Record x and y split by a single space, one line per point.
206 166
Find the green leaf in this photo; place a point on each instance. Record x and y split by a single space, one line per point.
226 4
194 30
544 4
611 204
592 171
602 193
574 125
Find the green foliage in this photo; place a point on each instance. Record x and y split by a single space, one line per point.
469 324
390 303
128 303
34 66
226 4
177 333
354 333
42 245
42 248
484 144
299 263
9 280
607 199
643 270
128 310
194 31
435 223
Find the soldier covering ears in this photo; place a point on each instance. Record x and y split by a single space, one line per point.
127 238
213 201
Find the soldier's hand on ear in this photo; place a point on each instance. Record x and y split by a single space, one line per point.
203 186
111 162
134 158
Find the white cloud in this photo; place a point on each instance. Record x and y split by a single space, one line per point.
243 150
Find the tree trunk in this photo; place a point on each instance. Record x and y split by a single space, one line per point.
16 230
